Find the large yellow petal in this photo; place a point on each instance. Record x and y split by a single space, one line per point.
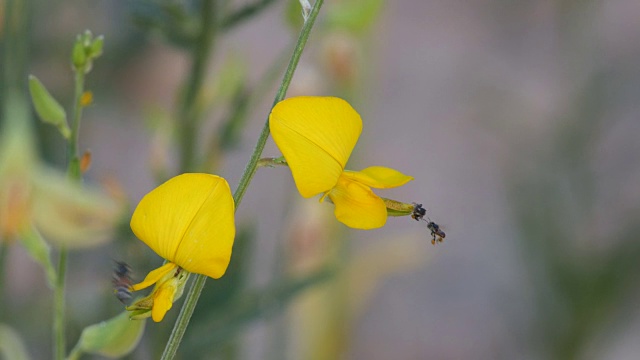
189 221
316 136
379 177
357 206
207 243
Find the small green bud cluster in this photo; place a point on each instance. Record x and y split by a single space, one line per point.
85 49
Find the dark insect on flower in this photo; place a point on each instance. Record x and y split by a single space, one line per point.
437 234
122 281
418 212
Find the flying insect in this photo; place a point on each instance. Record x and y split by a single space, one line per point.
436 233
122 281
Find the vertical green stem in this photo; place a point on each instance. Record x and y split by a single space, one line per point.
74 173
196 288
58 301
188 115
72 149
251 167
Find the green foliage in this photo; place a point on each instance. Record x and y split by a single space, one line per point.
40 251
113 338
357 16
577 292
86 48
229 319
11 345
47 108
293 14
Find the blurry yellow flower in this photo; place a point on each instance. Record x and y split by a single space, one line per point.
189 221
33 194
316 136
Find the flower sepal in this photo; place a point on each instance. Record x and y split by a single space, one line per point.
167 290
398 208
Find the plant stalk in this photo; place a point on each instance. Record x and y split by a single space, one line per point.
75 175
196 288
59 308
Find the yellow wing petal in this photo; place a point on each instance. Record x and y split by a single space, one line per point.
379 177
316 136
207 243
357 206
189 221
154 276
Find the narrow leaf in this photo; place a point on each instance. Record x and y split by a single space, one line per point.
48 108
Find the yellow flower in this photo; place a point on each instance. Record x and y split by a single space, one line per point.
34 195
189 221
316 136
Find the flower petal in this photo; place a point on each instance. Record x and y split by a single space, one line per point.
154 276
316 136
379 177
73 215
189 220
207 243
163 300
357 206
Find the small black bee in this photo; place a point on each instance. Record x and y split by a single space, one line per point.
122 281
418 212
437 234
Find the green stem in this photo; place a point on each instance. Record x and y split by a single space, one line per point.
74 173
244 13
58 301
196 288
251 167
188 114
72 153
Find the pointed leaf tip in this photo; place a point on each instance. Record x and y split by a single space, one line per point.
47 107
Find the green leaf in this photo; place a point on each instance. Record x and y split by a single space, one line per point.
354 15
48 109
293 15
11 344
39 251
113 338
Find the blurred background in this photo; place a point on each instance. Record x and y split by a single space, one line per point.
518 120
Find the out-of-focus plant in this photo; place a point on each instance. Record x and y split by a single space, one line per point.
320 320
11 345
38 203
345 35
577 292
96 212
580 256
113 338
